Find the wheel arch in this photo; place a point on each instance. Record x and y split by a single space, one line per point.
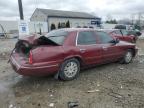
133 51
79 58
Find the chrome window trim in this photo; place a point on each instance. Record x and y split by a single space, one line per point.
77 38
82 45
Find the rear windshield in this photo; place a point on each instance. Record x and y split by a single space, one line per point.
57 36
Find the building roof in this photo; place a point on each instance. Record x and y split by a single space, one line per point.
76 29
66 14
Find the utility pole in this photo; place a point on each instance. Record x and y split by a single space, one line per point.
20 10
132 18
139 18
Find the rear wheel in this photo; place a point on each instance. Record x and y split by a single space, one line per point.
69 69
127 57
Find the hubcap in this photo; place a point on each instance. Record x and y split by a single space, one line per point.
128 57
71 69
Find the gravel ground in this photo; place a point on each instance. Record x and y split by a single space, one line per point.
108 86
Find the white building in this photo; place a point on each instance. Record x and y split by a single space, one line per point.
76 19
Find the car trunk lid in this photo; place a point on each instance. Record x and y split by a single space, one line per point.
23 48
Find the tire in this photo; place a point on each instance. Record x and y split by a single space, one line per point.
69 69
128 57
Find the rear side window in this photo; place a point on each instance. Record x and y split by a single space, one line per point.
57 39
86 38
57 36
104 37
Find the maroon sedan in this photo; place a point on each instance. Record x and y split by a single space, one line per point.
122 34
64 52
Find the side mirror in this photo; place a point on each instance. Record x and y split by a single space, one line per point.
115 41
138 33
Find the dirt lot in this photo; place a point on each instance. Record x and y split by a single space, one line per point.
112 86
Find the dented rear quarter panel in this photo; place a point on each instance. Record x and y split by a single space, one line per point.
43 55
46 54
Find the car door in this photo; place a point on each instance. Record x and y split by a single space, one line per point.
126 37
110 51
88 48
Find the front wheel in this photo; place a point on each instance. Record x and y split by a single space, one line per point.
69 69
127 57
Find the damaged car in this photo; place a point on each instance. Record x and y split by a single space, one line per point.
122 34
64 52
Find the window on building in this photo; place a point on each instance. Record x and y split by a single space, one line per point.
76 24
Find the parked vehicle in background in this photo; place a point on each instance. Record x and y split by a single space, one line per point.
85 27
91 27
136 33
122 35
65 51
123 26
2 35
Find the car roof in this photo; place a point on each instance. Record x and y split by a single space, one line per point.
78 29
75 30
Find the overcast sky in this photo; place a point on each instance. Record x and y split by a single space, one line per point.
102 8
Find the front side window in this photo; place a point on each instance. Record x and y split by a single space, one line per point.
124 32
104 37
86 38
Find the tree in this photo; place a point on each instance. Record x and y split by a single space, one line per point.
59 25
40 32
111 21
68 24
53 26
109 17
107 22
114 21
63 25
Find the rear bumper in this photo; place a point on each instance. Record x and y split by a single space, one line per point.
31 70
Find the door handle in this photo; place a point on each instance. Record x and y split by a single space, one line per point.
82 50
104 48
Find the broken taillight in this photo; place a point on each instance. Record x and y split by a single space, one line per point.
30 58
